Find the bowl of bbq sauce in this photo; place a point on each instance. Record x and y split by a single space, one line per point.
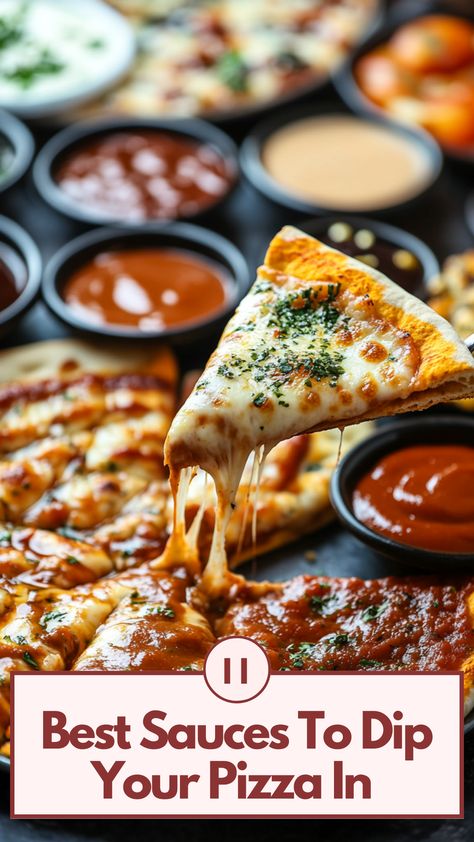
408 491
177 282
20 273
129 173
399 255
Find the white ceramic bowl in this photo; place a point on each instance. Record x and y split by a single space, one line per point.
109 53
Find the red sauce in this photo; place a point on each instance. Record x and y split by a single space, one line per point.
145 175
315 623
149 289
422 496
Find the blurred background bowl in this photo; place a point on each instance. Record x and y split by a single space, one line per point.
75 138
16 150
21 260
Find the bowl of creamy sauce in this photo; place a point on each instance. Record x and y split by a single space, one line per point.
340 163
56 55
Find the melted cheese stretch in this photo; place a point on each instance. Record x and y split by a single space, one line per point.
319 341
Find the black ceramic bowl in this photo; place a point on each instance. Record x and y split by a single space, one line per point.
19 149
402 13
180 235
426 429
21 256
72 138
429 265
255 171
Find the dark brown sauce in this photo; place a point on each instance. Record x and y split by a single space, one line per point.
422 496
144 175
148 289
397 263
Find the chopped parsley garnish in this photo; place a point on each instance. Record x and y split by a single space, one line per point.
28 659
5 536
300 312
259 399
25 75
162 611
232 71
338 640
368 663
51 617
298 657
72 560
373 611
225 371
319 603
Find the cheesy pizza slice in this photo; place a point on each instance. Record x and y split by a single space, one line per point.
152 629
320 341
319 623
48 628
41 558
82 430
287 498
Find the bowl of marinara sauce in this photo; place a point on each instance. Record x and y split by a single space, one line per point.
177 282
131 172
408 491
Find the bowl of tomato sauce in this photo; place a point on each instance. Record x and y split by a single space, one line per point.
408 491
176 282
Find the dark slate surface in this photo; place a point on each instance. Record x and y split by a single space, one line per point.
250 221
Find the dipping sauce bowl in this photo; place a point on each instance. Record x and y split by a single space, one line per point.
16 150
334 162
20 273
422 510
177 282
396 253
130 173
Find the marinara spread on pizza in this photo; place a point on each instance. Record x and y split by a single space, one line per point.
106 565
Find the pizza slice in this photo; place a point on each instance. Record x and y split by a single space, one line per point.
48 628
82 430
320 341
42 559
152 629
319 623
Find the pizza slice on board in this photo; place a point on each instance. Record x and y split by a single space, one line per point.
320 341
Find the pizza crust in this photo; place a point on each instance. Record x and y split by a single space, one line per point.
70 357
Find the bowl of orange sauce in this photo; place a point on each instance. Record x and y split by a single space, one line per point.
176 282
408 491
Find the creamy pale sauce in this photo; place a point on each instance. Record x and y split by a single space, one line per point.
343 162
149 289
50 49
